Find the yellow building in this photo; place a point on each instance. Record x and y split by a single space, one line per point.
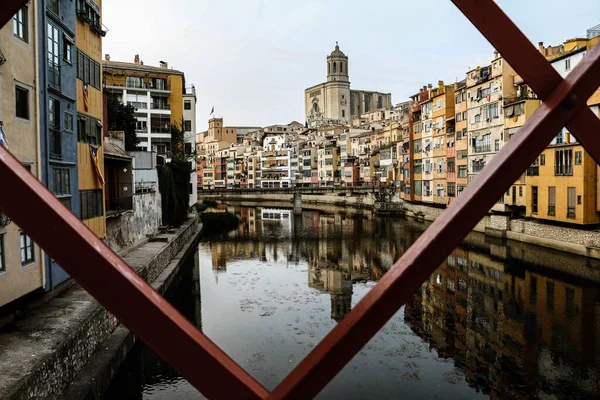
517 110
157 95
562 184
442 111
90 115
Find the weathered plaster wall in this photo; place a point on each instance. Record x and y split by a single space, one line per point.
130 228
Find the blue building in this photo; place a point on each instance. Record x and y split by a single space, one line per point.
58 111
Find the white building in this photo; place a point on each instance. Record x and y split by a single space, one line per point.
189 137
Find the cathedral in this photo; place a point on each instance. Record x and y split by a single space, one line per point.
333 102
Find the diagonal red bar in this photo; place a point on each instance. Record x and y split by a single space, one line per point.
114 284
426 254
9 9
514 46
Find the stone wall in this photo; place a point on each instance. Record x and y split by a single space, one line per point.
130 228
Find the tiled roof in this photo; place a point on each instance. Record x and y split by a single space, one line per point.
114 151
139 67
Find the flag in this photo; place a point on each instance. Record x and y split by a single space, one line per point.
86 100
94 153
3 139
212 111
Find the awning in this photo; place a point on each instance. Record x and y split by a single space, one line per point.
115 152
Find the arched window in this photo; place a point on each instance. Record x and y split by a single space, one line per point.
328 68
334 67
342 67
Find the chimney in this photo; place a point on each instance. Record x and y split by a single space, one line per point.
164 65
440 85
429 86
107 57
136 59
496 54
541 48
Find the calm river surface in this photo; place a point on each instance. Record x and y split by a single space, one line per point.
495 320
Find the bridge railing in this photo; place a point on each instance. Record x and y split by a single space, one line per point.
114 284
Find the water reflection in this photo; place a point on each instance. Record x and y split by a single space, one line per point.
514 328
494 320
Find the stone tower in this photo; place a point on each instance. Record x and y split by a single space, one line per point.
338 86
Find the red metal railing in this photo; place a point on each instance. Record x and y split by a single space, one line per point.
201 362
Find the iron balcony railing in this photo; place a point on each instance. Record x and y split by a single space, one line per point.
159 106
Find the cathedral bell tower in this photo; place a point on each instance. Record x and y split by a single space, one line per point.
337 66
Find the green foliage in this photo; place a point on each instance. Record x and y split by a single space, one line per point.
210 203
177 141
121 117
218 222
173 183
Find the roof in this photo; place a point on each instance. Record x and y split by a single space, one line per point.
139 67
337 52
113 151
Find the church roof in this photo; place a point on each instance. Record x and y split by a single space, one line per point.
337 52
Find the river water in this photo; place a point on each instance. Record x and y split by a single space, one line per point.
495 320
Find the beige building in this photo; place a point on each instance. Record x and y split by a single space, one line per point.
333 102
21 263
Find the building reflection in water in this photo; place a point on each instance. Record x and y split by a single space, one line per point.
517 320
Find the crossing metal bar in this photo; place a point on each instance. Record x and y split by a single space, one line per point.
114 284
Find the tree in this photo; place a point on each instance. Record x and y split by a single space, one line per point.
121 117
179 138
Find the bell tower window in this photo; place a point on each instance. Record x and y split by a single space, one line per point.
341 67
334 67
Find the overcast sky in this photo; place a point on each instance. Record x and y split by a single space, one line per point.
252 59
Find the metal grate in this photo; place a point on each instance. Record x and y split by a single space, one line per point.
199 360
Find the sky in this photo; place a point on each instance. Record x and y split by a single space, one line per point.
252 59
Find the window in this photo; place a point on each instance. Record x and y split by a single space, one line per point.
21 102
91 202
20 26
133 82
343 113
69 121
417 166
482 143
187 126
534 199
417 146
27 256
571 202
54 6
477 165
61 181
567 64
542 159
88 130
462 171
187 105
55 145
551 201
418 188
451 189
563 162
2 265
88 71
141 125
497 145
450 165
53 57
68 50
578 158
520 191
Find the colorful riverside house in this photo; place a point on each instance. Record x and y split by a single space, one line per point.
486 87
517 110
461 144
405 150
57 111
157 94
90 149
443 148
427 147
563 184
21 261
417 142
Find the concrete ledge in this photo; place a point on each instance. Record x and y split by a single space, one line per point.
495 233
42 353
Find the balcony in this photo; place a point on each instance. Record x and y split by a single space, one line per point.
563 170
54 75
159 106
482 148
533 170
